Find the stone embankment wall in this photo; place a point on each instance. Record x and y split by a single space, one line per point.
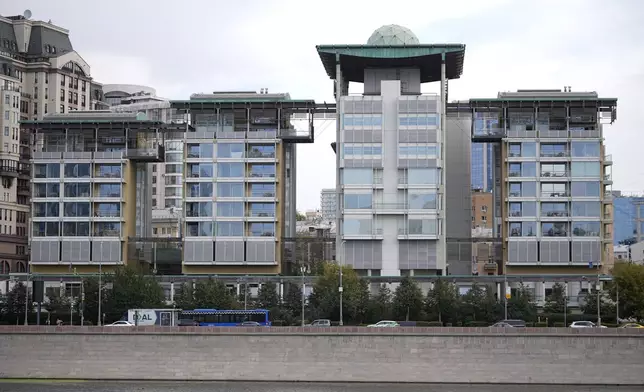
436 355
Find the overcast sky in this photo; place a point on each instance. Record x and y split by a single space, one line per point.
188 46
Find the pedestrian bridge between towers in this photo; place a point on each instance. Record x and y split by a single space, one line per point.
341 354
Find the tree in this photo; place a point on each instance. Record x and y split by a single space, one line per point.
325 299
380 304
628 278
245 299
184 298
408 300
57 303
556 301
293 300
268 297
213 294
521 305
479 305
442 302
589 303
90 309
131 289
300 217
15 306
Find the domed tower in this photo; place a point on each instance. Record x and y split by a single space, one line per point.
391 155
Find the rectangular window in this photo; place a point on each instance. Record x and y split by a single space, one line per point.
47 170
261 229
555 189
262 209
203 150
422 176
107 229
523 189
356 201
199 209
77 170
76 229
523 229
422 200
107 210
554 209
357 150
422 227
46 210
108 170
46 229
230 229
585 169
590 209
585 149
47 190
261 151
75 209
230 150
554 229
553 150
79 189
262 170
553 170
6 131
528 169
585 188
262 190
230 169
200 170
230 209
109 190
362 226
233 189
357 176
361 120
420 120
426 150
586 229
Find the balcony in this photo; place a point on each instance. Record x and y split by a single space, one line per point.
372 234
608 179
553 133
555 194
608 160
555 214
150 154
555 175
9 171
24 190
487 135
390 208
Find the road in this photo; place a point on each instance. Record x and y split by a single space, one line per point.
58 386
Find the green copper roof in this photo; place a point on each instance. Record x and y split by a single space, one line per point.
354 59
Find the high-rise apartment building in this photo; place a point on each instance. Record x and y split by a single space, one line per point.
556 199
40 73
239 181
90 189
328 205
392 158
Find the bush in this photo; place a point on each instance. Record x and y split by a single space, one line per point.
559 325
429 324
477 324
279 323
541 325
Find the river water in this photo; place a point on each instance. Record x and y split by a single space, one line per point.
58 386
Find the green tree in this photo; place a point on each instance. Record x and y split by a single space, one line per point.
268 297
213 294
628 278
408 300
325 299
300 217
184 298
442 302
90 288
131 289
589 304
380 304
57 305
293 300
15 306
245 299
478 305
521 305
556 301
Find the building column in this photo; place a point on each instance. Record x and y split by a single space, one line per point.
338 141
442 193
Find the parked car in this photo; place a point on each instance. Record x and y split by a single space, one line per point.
250 324
585 324
502 324
320 323
121 323
384 324
631 325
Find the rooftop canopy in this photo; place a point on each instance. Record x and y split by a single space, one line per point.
393 46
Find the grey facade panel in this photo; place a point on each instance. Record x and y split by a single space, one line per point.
363 136
229 251
106 251
418 106
362 106
586 251
522 252
197 251
554 251
45 251
363 163
417 255
417 136
260 251
363 254
75 250
422 163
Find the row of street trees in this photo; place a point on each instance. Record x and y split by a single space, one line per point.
128 288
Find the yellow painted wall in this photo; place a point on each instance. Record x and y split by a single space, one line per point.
129 204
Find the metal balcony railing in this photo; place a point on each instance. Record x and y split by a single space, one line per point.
555 174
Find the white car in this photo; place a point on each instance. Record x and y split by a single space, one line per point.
585 324
121 323
384 324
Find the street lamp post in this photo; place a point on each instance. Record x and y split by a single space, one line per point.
341 288
100 291
27 300
303 270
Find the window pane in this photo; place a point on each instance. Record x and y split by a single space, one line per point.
357 176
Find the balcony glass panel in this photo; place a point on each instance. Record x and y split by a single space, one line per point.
76 209
422 200
76 229
107 210
108 190
262 209
108 171
232 189
586 229
230 150
230 229
554 229
261 151
262 171
230 209
262 190
107 229
585 188
80 189
358 201
585 149
523 229
230 169
357 176
257 229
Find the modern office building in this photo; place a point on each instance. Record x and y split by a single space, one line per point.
90 178
628 218
482 172
328 205
239 188
40 73
392 158
555 188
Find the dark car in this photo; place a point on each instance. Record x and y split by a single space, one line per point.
187 323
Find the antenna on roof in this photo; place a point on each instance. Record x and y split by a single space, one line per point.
27 14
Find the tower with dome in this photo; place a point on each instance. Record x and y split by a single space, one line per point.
398 171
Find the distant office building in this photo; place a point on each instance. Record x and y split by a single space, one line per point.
482 172
328 204
628 217
392 154
482 210
40 74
